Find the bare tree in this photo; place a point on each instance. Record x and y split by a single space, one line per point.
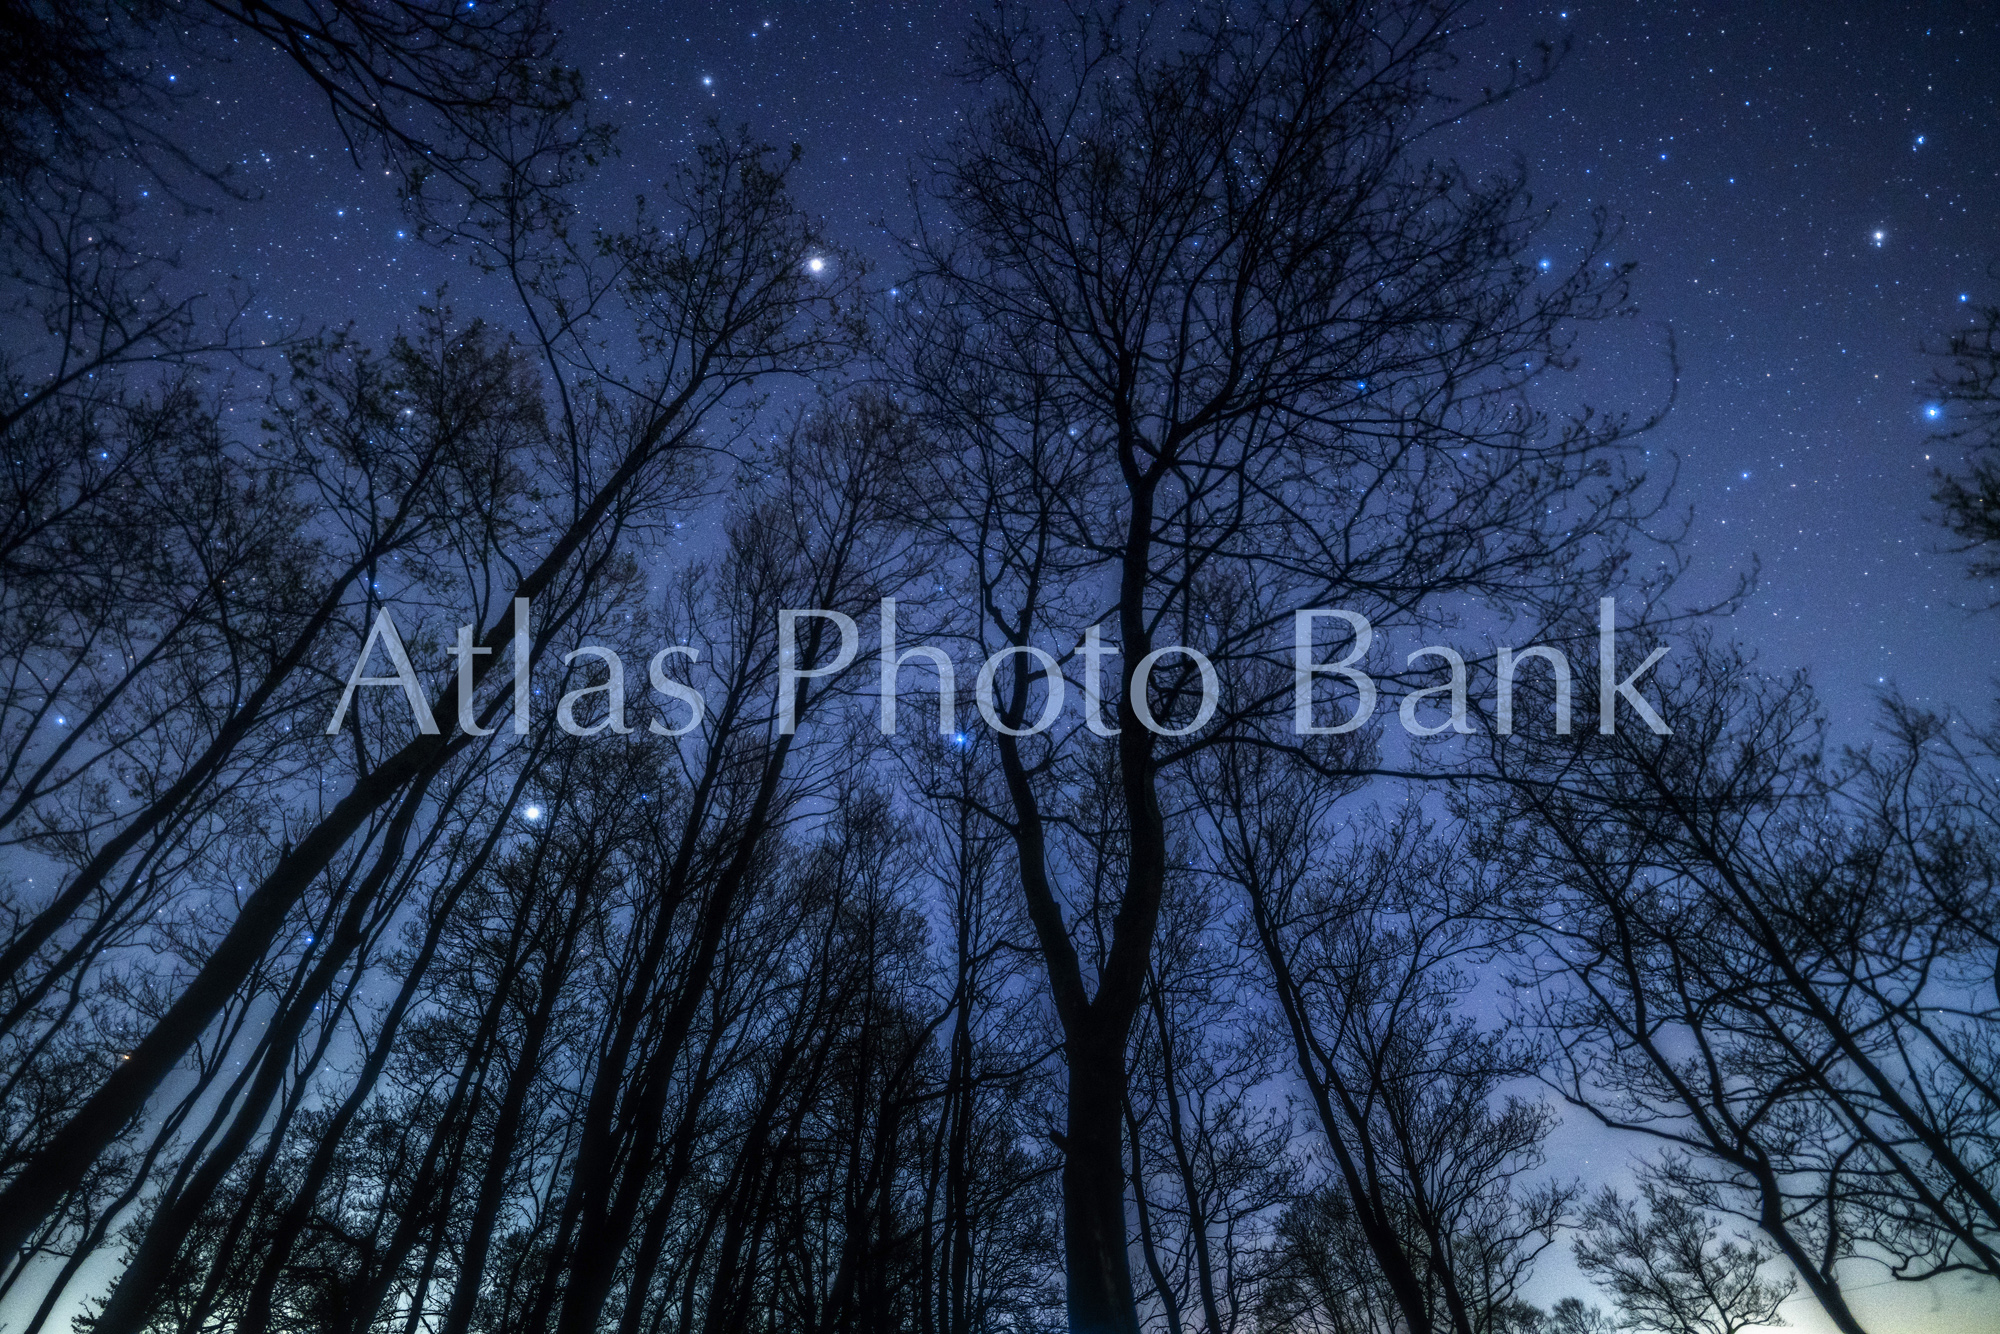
1572 1315
1969 397
1371 949
1204 338
1666 1271
1776 964
988 1239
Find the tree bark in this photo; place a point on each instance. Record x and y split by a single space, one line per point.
1096 1256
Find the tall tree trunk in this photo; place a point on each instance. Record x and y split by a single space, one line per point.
1169 1303
1376 1228
607 1200
126 1308
652 1241
1096 1258
256 1315
1184 1163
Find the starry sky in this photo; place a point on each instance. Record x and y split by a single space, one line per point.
1810 192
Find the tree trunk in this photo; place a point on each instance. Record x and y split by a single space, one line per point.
1096 1260
131 1298
291 1225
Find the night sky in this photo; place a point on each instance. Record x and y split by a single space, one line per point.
1810 192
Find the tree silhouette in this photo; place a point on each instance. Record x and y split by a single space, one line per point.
1202 336
1969 394
1666 1271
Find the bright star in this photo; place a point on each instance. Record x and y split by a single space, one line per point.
1933 411
531 813
1879 237
816 264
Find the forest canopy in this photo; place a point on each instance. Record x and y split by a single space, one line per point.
1361 795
